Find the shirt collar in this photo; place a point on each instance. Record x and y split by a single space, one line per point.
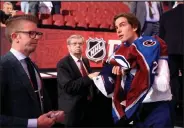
75 58
17 54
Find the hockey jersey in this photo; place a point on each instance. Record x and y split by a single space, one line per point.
141 60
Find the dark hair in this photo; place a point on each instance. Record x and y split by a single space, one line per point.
132 20
13 24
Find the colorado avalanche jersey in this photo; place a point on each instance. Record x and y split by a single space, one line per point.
141 60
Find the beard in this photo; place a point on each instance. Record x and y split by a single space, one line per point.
30 49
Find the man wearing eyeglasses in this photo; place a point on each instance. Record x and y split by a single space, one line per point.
75 85
22 95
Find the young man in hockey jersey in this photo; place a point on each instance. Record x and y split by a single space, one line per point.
140 63
155 110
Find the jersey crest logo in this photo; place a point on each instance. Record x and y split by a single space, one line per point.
149 43
95 50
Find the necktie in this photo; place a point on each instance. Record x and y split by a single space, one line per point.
83 71
31 73
150 12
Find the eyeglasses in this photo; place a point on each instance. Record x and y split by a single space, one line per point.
32 34
75 44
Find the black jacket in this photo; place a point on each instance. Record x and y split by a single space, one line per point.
18 99
172 29
73 90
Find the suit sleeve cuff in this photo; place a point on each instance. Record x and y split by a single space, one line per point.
32 123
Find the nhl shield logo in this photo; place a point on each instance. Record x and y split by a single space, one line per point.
95 50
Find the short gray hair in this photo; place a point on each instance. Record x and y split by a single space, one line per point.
74 37
7 3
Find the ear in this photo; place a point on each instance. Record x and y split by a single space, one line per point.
14 36
135 29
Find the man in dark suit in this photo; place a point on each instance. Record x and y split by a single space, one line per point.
23 97
56 7
172 32
148 13
34 7
75 85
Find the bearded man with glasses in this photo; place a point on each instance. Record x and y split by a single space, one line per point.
22 94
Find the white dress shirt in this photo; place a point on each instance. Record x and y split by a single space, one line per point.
78 63
45 7
155 12
32 123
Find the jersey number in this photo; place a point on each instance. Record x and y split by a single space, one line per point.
155 66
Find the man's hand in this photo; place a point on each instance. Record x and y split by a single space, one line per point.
3 25
45 122
13 12
117 70
93 75
58 115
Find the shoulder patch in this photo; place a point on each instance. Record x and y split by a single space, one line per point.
149 43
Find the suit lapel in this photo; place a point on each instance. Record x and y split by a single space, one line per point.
85 61
78 74
160 8
22 76
37 70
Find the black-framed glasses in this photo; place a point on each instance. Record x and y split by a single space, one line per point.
32 34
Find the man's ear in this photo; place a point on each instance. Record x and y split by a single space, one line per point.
134 29
14 36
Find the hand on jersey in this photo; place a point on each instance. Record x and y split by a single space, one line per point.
92 75
117 70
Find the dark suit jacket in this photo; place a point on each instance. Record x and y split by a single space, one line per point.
139 9
73 90
18 99
4 17
172 29
34 7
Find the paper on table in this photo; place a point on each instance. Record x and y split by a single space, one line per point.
45 75
52 73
